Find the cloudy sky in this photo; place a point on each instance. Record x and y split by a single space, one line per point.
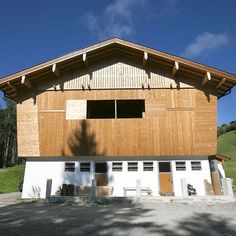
204 31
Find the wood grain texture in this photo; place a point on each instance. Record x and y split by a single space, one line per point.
176 122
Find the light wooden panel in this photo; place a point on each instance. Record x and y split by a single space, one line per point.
177 122
51 133
27 128
117 72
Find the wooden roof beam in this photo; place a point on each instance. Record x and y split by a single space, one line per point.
145 58
206 78
175 68
221 82
56 70
85 59
26 82
12 86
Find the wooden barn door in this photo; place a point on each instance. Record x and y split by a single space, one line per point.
165 176
101 173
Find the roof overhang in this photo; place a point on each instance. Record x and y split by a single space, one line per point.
222 81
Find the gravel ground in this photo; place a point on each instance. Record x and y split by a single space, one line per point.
146 218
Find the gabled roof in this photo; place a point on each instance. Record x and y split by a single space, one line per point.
221 80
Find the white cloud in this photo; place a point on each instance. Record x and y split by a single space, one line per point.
204 43
118 18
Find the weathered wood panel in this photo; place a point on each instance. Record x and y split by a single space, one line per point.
176 122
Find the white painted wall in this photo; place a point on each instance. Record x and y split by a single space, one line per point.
37 173
195 178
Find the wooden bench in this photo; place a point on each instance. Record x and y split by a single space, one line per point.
142 189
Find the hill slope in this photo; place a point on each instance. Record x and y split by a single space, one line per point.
227 146
10 178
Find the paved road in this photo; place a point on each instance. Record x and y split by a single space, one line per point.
148 218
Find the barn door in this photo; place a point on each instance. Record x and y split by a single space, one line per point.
165 176
101 173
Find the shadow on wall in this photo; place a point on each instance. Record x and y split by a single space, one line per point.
82 142
122 219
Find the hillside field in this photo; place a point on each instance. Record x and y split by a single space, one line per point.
10 178
227 146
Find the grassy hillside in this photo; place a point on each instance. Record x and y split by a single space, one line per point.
227 146
10 178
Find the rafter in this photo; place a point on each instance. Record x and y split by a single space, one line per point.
221 82
12 86
145 58
175 68
85 59
206 78
26 82
56 70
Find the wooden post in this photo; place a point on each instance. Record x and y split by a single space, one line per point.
48 188
138 188
93 190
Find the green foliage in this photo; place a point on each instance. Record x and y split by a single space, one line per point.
10 178
8 155
226 128
227 146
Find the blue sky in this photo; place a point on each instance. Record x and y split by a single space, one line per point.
204 31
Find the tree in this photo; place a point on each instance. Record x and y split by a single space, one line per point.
8 153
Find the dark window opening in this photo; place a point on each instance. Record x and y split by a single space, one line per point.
101 167
132 166
69 167
164 167
100 109
85 166
130 108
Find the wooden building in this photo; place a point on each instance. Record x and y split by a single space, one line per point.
118 112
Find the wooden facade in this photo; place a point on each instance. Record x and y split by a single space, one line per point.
179 118
180 97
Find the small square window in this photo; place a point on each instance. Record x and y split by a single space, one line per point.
69 167
148 166
180 165
196 165
132 166
116 166
85 167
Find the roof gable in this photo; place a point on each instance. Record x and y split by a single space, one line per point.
222 81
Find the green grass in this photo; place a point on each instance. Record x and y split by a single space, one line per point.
227 146
10 178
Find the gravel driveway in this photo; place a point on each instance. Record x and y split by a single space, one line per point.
147 218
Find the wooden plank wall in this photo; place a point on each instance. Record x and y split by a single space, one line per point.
27 128
117 72
176 122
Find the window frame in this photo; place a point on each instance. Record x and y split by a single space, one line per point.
69 167
83 169
178 168
133 168
196 167
148 166
117 168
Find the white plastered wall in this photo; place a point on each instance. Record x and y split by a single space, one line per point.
37 172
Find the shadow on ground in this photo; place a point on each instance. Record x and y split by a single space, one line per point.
124 219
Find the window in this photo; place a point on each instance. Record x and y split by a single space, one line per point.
101 167
116 166
148 166
180 165
85 166
130 108
196 165
164 167
108 109
132 166
100 109
69 167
